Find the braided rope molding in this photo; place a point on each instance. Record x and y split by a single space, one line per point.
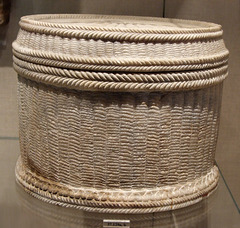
112 210
157 68
196 211
116 210
119 36
121 62
81 84
115 49
124 201
123 77
36 20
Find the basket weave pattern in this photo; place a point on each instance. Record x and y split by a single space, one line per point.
118 119
118 140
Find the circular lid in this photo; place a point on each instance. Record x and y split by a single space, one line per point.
121 43
126 24
116 46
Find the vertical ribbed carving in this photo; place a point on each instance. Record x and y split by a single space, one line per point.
112 127
86 118
140 139
33 153
51 101
219 89
99 153
118 140
126 140
43 131
195 126
164 136
152 140
177 103
188 132
72 135
63 137
23 120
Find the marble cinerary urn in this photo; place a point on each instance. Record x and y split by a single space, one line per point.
118 114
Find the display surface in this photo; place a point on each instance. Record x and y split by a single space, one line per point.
118 114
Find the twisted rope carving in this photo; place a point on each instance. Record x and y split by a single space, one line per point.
153 64
112 68
91 171
123 77
118 36
82 84
38 20
119 201
111 210
114 210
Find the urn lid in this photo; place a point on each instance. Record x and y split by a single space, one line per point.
120 45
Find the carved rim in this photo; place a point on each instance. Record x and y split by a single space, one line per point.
120 28
144 24
118 200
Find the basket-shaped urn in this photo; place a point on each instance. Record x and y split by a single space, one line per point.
118 114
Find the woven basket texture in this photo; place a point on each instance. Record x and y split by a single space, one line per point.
118 114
